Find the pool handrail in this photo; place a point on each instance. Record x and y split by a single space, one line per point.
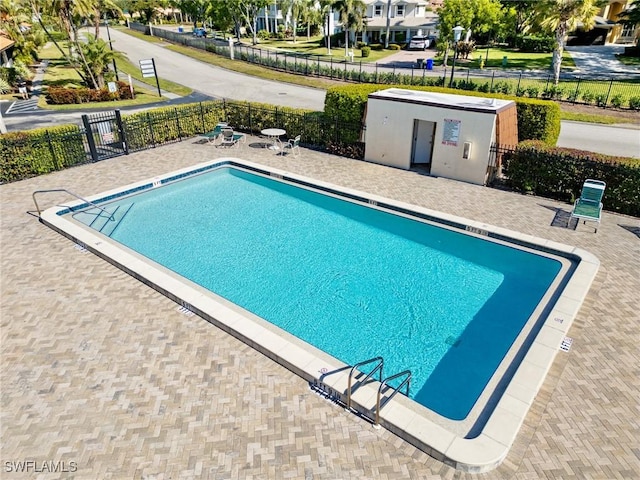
70 193
379 365
395 390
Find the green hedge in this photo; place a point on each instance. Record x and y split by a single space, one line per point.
559 173
35 152
537 119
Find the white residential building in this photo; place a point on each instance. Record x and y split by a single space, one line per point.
406 19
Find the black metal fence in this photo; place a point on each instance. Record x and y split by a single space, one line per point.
602 91
30 153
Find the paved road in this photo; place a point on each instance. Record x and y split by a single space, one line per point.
217 82
610 140
210 81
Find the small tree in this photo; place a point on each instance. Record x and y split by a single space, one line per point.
99 56
352 16
563 16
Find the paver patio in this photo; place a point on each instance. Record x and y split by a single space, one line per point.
100 370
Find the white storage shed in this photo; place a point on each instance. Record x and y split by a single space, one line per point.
449 135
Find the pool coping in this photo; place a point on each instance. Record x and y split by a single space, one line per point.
481 453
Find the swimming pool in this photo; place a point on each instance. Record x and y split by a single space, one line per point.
270 263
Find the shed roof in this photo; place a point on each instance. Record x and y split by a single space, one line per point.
446 100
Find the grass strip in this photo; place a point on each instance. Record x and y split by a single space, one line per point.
591 118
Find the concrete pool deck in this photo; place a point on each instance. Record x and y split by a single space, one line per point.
100 370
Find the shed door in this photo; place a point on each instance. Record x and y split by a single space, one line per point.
423 133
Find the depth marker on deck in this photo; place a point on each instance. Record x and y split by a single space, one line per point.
565 346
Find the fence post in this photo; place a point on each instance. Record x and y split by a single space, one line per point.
423 70
153 140
318 65
345 69
250 119
518 87
493 74
90 140
123 134
376 73
331 68
608 93
202 118
51 149
175 109
546 87
360 74
575 95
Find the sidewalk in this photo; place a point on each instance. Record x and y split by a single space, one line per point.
601 60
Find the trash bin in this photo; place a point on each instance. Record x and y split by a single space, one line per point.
420 62
180 30
429 63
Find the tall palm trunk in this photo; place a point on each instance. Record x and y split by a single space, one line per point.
346 42
388 29
68 59
561 32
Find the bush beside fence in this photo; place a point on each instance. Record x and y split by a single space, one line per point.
36 152
559 173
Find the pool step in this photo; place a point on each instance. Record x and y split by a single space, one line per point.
104 221
118 215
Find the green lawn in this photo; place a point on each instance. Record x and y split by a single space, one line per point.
60 74
590 118
631 61
516 60
313 47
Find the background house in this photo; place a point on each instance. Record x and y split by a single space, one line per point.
407 18
619 33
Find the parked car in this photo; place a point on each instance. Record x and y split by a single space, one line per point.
200 32
419 42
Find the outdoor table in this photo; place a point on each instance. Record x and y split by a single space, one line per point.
274 135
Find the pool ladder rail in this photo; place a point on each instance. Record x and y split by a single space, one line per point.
110 215
384 384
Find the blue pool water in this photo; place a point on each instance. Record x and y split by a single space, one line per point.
351 280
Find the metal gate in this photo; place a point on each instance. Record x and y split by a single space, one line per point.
105 135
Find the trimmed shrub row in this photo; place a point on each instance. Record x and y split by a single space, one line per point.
559 173
64 96
39 151
537 119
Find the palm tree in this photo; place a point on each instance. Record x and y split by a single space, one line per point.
53 10
13 15
101 7
99 56
352 15
310 15
326 7
388 29
563 16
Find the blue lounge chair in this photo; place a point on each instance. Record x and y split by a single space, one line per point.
231 138
588 207
214 135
